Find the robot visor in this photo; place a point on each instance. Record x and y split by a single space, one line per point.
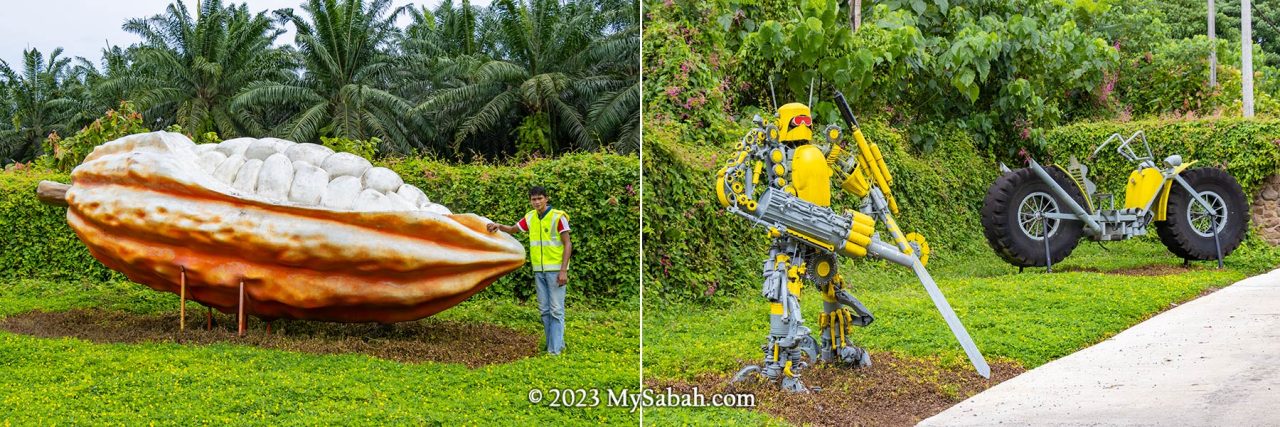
801 121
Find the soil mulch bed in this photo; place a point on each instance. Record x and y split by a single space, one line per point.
894 391
426 340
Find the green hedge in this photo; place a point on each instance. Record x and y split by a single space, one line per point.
694 248
37 240
1248 149
599 191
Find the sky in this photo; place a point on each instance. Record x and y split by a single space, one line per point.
85 27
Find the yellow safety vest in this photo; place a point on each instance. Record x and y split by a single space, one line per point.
546 250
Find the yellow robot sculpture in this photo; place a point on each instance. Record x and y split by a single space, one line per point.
782 181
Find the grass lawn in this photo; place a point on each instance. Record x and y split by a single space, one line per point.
1022 319
73 381
1017 319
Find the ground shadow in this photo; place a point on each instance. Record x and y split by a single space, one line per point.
427 340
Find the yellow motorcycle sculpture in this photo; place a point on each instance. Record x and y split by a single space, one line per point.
1035 216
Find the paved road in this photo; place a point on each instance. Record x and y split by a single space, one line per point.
1212 361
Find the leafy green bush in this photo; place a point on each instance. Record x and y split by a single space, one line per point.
692 247
1006 69
204 138
361 147
1249 149
599 191
690 78
37 240
1174 78
66 154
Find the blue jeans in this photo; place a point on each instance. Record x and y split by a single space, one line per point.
551 303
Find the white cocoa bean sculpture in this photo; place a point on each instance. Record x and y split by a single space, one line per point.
311 233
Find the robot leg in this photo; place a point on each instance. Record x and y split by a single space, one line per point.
789 340
840 312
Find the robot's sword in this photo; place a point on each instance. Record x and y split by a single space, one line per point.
891 253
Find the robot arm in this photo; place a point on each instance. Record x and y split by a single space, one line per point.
777 208
758 159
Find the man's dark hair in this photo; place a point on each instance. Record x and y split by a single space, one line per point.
537 190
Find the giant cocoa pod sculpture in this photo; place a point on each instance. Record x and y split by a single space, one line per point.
311 233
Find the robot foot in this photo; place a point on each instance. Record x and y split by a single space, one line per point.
747 372
793 385
855 357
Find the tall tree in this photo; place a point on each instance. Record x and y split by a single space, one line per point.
345 48
6 111
1187 18
541 78
614 60
37 103
447 31
439 49
93 84
188 68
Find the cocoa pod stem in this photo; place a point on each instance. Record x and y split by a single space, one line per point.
52 193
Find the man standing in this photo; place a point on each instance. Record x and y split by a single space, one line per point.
549 252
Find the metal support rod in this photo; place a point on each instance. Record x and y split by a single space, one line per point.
182 301
1195 195
240 315
1048 258
1066 199
1213 223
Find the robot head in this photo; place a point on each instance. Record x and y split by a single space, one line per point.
794 123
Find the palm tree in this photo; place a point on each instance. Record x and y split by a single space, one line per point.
439 50
542 78
38 103
616 117
100 94
447 31
188 68
615 62
6 112
344 46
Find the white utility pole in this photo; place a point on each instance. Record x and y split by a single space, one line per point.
1213 48
855 14
1246 57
